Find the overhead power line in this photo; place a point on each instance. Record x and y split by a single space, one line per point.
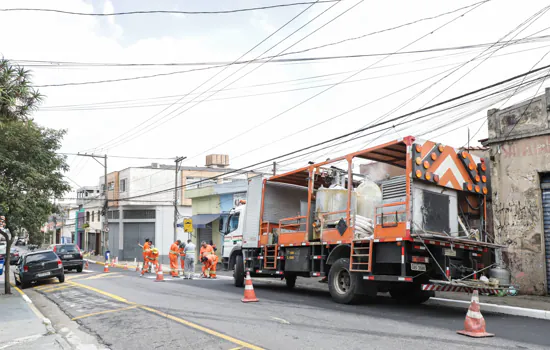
125 157
278 115
150 126
218 64
389 121
149 12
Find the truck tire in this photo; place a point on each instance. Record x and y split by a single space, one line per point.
290 280
343 285
238 271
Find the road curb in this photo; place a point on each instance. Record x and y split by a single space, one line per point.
494 308
46 321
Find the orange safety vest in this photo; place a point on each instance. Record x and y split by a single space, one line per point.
174 249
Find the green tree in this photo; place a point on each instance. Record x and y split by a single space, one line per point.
30 170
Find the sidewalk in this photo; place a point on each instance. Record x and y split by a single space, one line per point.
23 326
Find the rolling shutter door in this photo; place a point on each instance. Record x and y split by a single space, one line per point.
546 211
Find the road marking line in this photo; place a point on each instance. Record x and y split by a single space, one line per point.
116 297
45 286
104 312
203 329
240 347
173 318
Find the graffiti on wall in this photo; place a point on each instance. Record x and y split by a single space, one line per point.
527 147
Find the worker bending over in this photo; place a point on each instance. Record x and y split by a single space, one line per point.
152 259
189 251
209 263
182 257
173 255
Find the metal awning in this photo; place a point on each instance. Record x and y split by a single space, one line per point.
201 220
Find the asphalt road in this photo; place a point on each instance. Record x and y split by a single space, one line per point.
128 312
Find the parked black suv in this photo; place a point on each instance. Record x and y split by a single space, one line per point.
70 255
38 266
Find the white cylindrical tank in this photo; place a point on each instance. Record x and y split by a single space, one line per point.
334 199
369 196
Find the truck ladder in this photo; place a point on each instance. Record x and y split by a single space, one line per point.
270 256
361 256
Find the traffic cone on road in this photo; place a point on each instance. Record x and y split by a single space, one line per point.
474 324
86 266
113 262
126 266
160 275
137 267
106 267
249 295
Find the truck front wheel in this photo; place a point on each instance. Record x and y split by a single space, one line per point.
238 271
343 285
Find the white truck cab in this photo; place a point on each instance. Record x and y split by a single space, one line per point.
233 235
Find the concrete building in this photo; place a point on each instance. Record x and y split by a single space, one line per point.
519 142
141 204
88 219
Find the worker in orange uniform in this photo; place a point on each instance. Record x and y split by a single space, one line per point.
146 251
209 263
182 257
206 249
152 259
173 255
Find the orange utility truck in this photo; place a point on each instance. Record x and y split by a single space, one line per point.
419 231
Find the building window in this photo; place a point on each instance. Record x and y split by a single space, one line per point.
98 215
197 182
93 216
113 214
139 214
87 216
111 186
122 185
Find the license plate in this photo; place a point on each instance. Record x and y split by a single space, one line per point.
67 256
450 252
418 267
42 274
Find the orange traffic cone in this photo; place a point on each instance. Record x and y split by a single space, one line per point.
113 262
160 275
86 266
249 295
106 267
474 324
137 267
126 266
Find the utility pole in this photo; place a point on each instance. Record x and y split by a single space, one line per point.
105 193
274 168
177 161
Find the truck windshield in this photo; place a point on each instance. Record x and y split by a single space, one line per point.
233 222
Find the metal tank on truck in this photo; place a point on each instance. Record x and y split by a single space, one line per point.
420 231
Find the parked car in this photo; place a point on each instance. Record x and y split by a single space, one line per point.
21 241
38 266
70 255
14 255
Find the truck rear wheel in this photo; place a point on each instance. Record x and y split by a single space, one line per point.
238 271
343 285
